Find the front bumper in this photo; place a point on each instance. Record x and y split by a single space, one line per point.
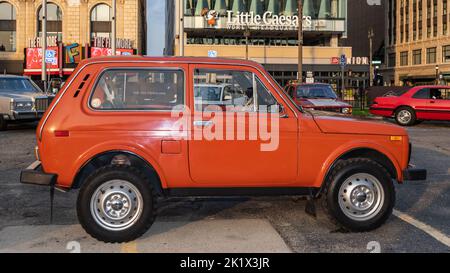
414 174
34 174
26 115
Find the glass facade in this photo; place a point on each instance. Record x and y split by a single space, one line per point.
317 9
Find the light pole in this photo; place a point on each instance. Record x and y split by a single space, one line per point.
437 75
300 41
246 35
370 36
44 43
113 28
181 10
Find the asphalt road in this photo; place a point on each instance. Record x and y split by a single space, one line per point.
24 212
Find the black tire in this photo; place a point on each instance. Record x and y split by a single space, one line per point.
3 124
343 170
409 110
108 173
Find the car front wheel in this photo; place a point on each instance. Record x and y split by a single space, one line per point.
116 204
359 195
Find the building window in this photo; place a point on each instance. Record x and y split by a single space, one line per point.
404 58
431 55
101 17
435 18
54 21
428 18
7 27
420 19
444 18
446 53
391 60
417 56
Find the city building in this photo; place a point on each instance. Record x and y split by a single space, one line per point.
76 29
418 42
266 31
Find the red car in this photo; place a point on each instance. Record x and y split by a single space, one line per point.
317 96
418 104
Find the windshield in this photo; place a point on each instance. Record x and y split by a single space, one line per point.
16 85
207 93
316 92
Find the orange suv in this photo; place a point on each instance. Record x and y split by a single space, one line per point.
128 130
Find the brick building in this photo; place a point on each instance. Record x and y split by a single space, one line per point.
72 27
418 42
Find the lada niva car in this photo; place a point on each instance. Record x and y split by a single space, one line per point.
128 130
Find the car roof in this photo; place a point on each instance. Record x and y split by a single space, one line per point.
309 84
430 86
7 76
172 59
212 84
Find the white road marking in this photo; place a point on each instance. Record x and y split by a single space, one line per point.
441 237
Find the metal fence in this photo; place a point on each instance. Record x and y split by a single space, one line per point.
356 97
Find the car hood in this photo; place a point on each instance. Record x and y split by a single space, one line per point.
341 125
325 103
21 96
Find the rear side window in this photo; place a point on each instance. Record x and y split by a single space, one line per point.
138 89
422 94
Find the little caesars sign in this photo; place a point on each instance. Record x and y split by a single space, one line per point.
267 21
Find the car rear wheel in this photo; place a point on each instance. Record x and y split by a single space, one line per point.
405 116
116 204
359 195
3 124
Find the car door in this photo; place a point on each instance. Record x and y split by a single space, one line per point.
229 148
439 103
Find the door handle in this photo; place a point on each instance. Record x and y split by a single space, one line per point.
432 101
203 123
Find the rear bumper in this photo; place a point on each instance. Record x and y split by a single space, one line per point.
33 174
414 174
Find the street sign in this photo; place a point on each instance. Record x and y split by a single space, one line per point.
212 53
309 80
50 57
376 62
343 60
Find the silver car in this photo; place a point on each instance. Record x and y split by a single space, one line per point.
21 100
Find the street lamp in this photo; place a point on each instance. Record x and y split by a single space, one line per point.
437 75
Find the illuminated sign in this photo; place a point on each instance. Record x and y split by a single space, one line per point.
267 21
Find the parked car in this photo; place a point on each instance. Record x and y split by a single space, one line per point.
418 104
21 100
317 96
112 133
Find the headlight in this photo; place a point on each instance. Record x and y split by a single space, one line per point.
23 105
346 110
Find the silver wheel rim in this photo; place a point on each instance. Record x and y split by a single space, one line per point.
361 197
404 116
116 205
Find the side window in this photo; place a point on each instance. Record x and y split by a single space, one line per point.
439 94
231 91
138 89
422 94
